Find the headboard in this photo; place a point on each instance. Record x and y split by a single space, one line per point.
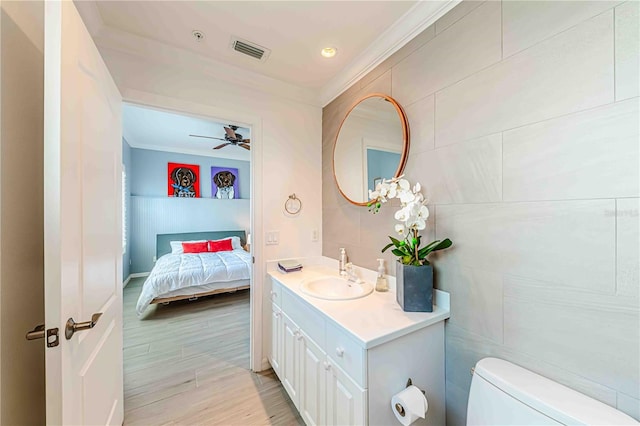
162 240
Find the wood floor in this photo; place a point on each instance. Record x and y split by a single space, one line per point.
187 363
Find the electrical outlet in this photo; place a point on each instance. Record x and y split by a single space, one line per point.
314 235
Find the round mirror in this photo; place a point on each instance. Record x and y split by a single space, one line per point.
372 144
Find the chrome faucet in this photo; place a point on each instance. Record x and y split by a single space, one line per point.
350 274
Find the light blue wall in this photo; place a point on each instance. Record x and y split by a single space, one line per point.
149 177
126 161
153 212
381 164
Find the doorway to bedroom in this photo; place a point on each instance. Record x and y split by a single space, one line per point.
187 262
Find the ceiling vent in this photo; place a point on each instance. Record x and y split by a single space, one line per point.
250 49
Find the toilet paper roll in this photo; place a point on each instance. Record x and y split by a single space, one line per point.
409 405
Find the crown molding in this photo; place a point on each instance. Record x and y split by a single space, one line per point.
162 53
413 22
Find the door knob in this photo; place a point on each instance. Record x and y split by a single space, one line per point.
73 326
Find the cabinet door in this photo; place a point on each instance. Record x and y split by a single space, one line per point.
346 401
290 359
276 339
312 381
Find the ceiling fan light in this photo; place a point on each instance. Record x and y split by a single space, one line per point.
329 52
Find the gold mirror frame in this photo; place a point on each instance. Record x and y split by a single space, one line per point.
405 140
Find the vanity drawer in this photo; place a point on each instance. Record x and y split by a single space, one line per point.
346 352
276 292
310 321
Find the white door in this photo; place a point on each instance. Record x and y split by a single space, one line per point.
312 383
276 339
345 400
290 371
83 248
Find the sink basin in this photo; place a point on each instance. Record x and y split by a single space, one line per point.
335 288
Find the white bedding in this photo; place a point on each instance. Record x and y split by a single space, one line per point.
173 272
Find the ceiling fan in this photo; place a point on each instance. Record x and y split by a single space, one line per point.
230 138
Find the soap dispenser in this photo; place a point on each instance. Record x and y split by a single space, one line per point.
342 266
381 281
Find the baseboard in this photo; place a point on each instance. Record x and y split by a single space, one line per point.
265 365
136 275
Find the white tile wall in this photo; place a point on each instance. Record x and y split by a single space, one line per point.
421 116
627 50
465 47
629 405
570 72
589 334
532 169
525 23
592 154
628 247
477 306
455 14
570 243
469 172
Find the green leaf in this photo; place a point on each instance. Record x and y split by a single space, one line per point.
395 241
387 247
446 243
434 246
398 253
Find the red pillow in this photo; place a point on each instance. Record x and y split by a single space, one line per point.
220 245
201 247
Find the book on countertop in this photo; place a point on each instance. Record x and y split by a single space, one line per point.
287 266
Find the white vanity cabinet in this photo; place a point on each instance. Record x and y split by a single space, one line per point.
341 362
321 390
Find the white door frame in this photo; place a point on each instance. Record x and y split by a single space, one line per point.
226 114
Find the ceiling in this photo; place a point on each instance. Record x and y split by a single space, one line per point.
166 131
364 32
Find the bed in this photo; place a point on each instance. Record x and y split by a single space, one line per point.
179 276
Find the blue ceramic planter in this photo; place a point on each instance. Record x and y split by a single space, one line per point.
414 287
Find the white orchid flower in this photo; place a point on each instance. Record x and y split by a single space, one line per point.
406 197
402 215
423 213
416 188
404 184
400 229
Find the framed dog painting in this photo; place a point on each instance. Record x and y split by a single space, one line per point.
224 183
184 180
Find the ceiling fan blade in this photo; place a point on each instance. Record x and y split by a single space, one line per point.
207 137
247 147
222 145
230 133
246 141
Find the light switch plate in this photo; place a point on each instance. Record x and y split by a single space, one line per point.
272 238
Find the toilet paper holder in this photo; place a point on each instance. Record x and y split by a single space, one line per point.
399 408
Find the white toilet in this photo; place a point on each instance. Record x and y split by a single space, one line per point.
505 394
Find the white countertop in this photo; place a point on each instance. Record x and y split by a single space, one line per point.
374 319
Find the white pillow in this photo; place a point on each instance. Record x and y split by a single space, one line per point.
176 246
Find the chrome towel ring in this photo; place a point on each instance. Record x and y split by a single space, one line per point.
293 205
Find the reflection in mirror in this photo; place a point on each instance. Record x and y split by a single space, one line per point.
372 144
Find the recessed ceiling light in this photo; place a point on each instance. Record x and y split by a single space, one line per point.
329 52
198 35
